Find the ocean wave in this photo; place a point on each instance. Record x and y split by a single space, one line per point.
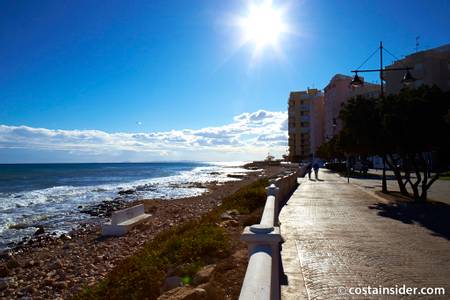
58 208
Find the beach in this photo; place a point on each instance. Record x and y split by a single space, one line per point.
59 267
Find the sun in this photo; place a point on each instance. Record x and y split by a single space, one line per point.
263 25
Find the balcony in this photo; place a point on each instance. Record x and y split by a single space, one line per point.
305 130
305 118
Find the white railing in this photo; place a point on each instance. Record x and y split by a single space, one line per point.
257 283
262 276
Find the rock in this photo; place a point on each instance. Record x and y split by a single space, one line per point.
3 284
233 212
184 293
51 273
4 270
49 281
57 264
30 263
65 237
226 216
39 231
229 223
236 175
126 192
203 275
211 290
60 285
27 289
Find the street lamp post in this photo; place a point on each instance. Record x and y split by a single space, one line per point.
407 79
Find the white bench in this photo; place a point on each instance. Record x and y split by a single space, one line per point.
123 220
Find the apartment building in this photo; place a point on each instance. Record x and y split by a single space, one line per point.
314 115
430 67
336 94
305 123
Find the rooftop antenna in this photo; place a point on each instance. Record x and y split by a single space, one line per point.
417 42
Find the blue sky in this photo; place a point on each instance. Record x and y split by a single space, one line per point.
157 66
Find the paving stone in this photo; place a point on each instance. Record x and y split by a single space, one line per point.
334 240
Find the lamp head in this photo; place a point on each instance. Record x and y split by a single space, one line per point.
356 81
408 78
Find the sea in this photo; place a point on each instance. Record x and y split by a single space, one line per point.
54 195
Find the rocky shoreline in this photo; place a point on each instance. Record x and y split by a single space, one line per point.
58 267
100 212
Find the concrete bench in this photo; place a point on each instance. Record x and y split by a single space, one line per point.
123 220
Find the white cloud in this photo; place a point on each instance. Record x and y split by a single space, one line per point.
249 136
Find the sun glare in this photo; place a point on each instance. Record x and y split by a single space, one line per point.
263 25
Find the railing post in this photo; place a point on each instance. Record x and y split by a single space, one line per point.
272 190
257 235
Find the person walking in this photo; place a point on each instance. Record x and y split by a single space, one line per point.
308 170
316 170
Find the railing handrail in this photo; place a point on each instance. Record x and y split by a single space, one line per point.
268 216
262 276
258 284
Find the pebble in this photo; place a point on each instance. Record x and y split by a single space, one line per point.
4 270
39 231
4 283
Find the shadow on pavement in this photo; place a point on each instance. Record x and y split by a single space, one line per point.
369 176
434 216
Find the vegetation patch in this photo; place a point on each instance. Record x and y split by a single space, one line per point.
184 249
445 176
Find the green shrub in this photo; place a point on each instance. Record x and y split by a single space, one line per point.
247 199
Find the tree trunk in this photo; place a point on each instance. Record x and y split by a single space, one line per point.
427 175
415 189
398 176
415 185
383 179
424 195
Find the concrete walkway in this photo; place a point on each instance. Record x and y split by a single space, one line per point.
337 237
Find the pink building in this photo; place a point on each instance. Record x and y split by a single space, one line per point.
429 67
317 122
314 115
337 93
